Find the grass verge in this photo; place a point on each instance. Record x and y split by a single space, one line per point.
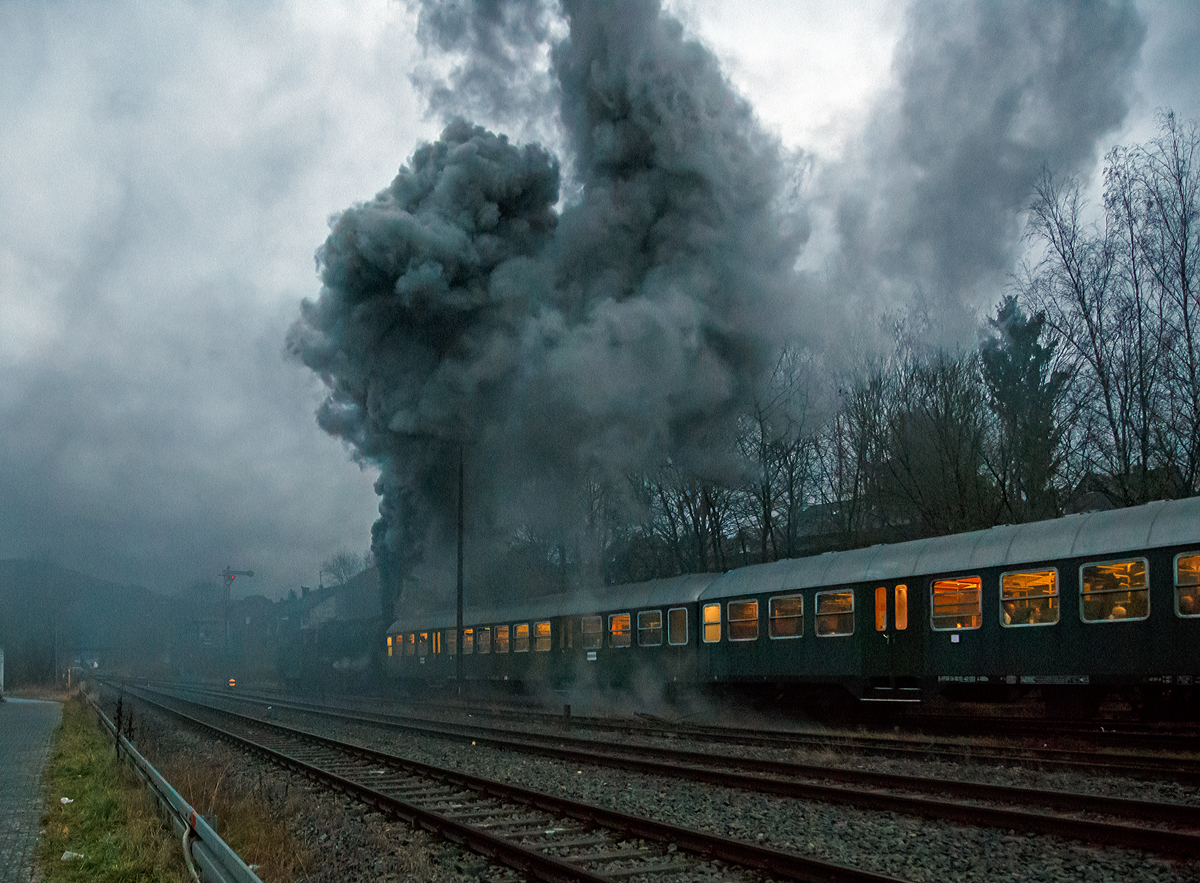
112 821
252 822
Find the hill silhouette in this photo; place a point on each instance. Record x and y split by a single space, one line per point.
51 616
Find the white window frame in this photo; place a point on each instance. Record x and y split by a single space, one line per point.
1057 594
686 627
770 605
1175 572
657 643
851 612
729 620
1146 589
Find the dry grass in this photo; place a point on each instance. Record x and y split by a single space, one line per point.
253 822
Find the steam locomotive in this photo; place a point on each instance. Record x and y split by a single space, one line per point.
1075 606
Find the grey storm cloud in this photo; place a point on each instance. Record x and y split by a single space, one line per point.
560 345
986 96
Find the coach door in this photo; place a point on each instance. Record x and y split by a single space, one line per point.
891 646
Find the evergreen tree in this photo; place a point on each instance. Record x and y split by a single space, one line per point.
1024 392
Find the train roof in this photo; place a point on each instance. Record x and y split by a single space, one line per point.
654 593
1094 534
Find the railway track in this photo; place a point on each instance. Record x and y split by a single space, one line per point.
1169 829
1175 768
545 836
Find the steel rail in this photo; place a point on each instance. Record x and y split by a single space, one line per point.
1179 843
1179 770
782 863
588 749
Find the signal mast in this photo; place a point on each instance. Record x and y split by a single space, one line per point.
228 576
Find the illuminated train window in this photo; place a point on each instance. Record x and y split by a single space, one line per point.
501 639
957 603
785 617
619 633
834 613
743 620
389 645
677 626
1187 584
649 628
410 644
423 644
711 623
468 642
521 638
593 632
1114 591
541 637
483 640
1029 598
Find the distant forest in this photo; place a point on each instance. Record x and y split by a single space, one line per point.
1084 393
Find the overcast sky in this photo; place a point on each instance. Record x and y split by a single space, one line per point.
169 170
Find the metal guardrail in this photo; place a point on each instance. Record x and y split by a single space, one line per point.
214 861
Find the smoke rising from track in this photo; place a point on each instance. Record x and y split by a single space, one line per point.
557 346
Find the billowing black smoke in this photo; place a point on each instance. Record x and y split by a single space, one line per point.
459 308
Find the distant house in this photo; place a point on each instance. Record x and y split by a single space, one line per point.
338 626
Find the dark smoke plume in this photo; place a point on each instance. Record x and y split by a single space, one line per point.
987 94
498 48
458 307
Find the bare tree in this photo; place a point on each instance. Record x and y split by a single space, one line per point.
775 442
342 567
1170 187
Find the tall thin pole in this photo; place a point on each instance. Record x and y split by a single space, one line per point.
458 643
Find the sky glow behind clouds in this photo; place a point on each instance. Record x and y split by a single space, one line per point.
169 171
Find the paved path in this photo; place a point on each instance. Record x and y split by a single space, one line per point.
26 731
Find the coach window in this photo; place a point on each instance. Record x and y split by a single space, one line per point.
834 613
649 628
677 626
389 645
437 642
410 644
901 607
743 620
1029 598
1114 591
957 604
423 644
468 642
541 637
521 637
452 642
483 640
501 639
1187 584
712 623
619 634
785 617
592 628
881 609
